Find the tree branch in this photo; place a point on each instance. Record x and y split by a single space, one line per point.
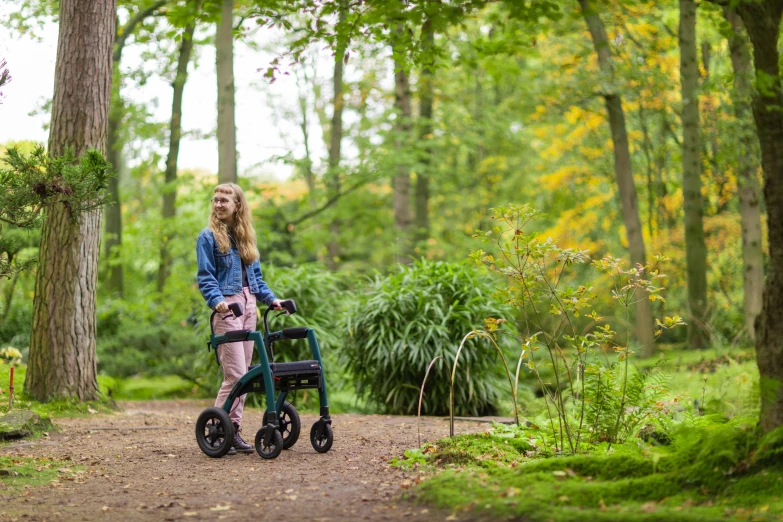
331 201
122 33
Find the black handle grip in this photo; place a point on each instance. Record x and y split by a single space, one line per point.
289 305
236 309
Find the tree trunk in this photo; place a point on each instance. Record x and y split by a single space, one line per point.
226 126
422 217
62 345
402 180
749 189
762 21
622 168
115 281
711 134
695 249
170 187
335 141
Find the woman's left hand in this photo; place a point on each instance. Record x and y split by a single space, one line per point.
276 304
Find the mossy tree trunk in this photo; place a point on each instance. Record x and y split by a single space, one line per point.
695 248
762 21
62 345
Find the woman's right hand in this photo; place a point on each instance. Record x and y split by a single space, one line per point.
222 307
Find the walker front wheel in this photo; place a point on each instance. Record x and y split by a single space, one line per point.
273 449
214 432
323 442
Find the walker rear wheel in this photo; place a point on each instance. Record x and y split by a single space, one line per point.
214 432
289 424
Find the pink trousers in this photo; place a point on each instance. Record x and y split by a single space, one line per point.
235 357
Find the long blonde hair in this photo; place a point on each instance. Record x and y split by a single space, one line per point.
242 230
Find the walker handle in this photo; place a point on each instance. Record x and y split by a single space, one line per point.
236 309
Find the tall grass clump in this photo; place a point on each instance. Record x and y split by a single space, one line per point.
405 320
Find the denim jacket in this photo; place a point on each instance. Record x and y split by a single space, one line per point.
220 274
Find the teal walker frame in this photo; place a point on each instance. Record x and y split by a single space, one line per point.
281 425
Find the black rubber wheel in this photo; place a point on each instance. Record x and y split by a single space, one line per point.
214 432
290 425
323 443
274 448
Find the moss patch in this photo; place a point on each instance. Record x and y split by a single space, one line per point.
19 472
715 469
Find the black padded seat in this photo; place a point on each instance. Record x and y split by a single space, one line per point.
296 368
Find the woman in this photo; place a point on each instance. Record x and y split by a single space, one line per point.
229 272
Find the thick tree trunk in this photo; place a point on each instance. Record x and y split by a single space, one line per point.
335 142
695 249
422 198
402 180
749 188
762 21
62 345
622 168
226 126
175 133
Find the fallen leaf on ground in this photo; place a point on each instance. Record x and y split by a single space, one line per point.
220 508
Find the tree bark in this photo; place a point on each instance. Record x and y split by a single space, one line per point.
402 179
749 187
695 249
335 140
622 168
762 21
62 358
226 126
422 197
175 133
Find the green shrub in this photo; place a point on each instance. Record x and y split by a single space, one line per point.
147 349
321 300
405 320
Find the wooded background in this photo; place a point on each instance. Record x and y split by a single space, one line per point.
637 127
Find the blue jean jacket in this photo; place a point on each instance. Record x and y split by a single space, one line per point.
220 274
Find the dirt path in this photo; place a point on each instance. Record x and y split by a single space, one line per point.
162 475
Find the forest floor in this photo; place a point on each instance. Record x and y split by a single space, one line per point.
160 474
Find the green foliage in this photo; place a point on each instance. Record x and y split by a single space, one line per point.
34 182
402 321
646 400
554 317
